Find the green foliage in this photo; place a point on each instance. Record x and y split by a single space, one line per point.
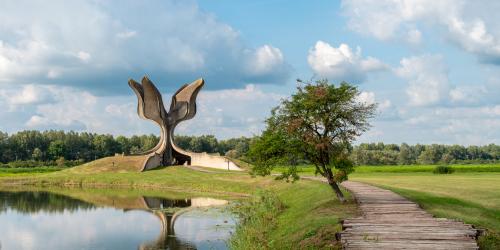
489 241
318 123
34 148
443 169
343 167
404 154
270 149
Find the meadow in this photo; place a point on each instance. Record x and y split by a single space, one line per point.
459 168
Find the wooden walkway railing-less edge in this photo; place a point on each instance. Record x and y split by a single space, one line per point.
390 221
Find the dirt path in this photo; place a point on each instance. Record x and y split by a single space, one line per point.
390 221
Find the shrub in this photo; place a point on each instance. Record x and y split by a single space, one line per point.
442 169
61 162
489 240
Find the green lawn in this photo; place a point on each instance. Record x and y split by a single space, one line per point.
459 168
27 171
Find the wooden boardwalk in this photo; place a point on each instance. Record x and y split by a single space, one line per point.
390 221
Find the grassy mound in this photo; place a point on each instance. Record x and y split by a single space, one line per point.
112 164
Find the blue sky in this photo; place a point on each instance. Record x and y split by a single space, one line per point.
432 66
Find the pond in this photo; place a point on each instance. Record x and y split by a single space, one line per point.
46 220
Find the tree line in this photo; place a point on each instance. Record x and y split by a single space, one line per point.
404 154
33 148
46 148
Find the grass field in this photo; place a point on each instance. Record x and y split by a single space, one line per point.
27 171
309 214
459 168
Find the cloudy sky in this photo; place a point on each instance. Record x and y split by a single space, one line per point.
432 66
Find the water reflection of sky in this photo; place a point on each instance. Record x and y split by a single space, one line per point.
111 228
209 229
101 228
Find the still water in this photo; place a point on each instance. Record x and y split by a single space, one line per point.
44 220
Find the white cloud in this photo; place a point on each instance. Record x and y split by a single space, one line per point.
37 121
384 105
414 36
341 63
28 95
428 79
89 44
469 24
385 109
469 94
127 34
83 56
231 112
265 60
73 109
463 125
366 97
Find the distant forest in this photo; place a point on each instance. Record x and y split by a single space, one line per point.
404 154
34 148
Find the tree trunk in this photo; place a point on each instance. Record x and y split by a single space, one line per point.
333 184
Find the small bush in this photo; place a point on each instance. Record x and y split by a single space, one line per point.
443 170
489 241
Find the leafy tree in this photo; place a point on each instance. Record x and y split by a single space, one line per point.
432 154
56 149
319 122
37 154
404 157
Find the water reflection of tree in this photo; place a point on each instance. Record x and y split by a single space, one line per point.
30 202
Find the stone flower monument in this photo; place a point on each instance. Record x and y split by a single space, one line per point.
182 107
150 107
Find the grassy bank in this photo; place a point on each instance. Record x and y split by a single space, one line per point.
307 212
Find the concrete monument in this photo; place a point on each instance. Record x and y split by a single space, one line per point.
182 107
150 107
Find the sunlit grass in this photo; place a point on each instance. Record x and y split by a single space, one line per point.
459 168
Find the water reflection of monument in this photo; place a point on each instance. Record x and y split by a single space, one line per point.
160 208
166 210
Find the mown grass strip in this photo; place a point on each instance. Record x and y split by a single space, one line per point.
459 168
